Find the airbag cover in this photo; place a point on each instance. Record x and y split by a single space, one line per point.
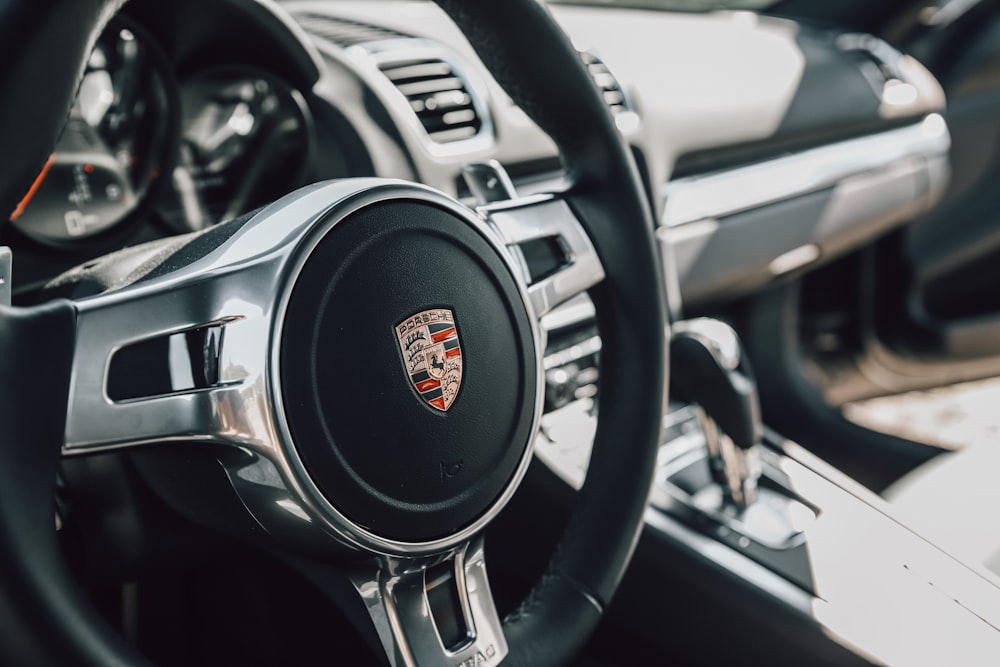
380 452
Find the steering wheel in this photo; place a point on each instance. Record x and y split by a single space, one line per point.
362 369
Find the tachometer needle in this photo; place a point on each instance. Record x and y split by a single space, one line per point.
33 189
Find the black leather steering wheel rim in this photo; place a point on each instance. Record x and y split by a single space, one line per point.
535 62
543 75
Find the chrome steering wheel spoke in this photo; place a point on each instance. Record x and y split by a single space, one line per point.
568 264
180 359
436 612
186 355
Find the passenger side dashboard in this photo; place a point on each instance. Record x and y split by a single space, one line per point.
769 146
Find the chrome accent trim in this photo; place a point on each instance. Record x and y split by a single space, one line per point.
573 353
945 12
733 561
794 259
248 282
576 311
716 336
735 471
6 264
545 216
488 182
731 191
396 599
369 56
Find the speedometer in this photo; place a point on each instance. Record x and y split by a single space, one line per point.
115 146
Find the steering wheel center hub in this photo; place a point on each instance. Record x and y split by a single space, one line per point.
409 370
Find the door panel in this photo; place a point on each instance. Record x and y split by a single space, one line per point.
932 314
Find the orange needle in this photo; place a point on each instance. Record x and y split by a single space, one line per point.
33 189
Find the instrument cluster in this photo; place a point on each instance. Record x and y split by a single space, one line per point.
144 144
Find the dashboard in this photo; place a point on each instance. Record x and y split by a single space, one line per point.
767 146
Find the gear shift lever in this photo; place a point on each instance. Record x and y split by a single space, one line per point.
708 368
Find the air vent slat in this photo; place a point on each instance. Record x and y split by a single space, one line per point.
423 70
611 91
456 117
435 122
613 98
447 84
456 134
450 99
605 81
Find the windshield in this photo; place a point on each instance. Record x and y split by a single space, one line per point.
676 5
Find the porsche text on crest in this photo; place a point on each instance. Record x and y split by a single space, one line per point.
432 355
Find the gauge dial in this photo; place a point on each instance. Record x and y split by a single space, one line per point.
113 149
245 141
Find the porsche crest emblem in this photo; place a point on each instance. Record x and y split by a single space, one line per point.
432 355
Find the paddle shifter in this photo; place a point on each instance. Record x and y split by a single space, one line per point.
708 368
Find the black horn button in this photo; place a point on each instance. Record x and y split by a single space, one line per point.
408 371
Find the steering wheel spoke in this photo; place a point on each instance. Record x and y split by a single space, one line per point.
177 360
558 257
434 612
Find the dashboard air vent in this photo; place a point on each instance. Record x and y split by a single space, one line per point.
344 32
438 95
606 82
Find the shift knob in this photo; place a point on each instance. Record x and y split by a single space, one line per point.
708 367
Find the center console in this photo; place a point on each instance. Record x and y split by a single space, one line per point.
813 565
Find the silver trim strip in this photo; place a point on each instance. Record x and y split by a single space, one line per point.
945 12
731 191
575 311
544 216
6 261
573 353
